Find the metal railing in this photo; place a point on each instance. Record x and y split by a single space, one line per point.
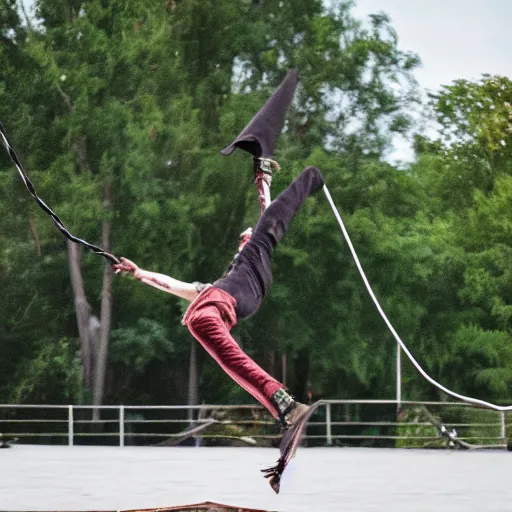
345 422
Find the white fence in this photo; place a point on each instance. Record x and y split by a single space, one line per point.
337 422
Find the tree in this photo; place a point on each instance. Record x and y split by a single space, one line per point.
467 174
128 104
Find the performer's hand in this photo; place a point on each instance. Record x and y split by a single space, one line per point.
126 266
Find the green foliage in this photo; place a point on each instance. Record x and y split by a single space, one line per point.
476 116
134 347
485 358
52 377
142 95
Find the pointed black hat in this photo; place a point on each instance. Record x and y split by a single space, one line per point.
259 136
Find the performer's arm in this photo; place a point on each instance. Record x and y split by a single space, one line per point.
188 291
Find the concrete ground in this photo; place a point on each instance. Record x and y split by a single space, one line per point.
319 479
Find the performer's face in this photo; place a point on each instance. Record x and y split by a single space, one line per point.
245 236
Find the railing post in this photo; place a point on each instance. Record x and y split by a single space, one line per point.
121 425
328 423
70 425
503 430
398 377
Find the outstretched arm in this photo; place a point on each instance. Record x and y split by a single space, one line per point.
165 283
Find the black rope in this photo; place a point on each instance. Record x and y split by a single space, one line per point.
30 187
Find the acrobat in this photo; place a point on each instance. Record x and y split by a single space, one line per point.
217 307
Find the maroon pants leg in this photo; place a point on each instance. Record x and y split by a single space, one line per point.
207 322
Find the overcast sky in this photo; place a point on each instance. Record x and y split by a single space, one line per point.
454 39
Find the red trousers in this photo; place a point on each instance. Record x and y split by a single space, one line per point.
210 318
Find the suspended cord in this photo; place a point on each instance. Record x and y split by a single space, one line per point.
44 206
468 399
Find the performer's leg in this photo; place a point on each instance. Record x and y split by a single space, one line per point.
207 326
274 222
270 230
263 182
263 171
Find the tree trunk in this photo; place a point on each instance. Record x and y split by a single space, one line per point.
93 337
193 398
82 310
106 307
302 372
193 393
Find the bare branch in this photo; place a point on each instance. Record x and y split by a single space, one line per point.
66 98
82 309
35 234
25 15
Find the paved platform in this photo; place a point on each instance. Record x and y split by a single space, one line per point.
319 479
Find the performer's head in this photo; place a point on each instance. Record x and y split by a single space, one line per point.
245 236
